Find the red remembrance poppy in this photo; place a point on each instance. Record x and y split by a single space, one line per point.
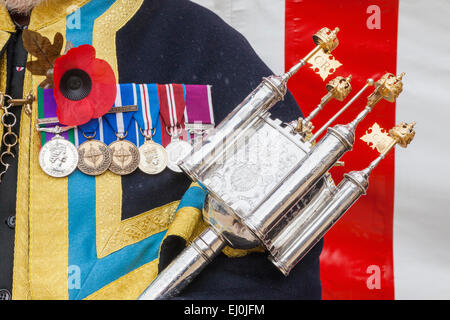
85 87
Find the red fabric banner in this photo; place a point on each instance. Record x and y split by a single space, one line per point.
357 260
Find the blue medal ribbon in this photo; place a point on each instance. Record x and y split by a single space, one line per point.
121 122
148 116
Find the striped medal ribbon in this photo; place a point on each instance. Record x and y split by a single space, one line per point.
124 154
153 156
172 107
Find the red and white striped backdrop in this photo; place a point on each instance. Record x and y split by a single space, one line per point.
393 242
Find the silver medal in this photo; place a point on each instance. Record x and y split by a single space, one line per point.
58 158
177 150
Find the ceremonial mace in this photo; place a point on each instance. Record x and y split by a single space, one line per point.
265 200
312 222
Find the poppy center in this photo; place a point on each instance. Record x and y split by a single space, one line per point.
75 84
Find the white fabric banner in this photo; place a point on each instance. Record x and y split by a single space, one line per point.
260 21
422 173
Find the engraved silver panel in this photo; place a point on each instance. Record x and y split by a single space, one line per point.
252 168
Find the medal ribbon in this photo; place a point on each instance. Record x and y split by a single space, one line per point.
121 122
147 117
47 109
199 105
90 128
172 106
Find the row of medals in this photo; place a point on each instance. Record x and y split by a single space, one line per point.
59 157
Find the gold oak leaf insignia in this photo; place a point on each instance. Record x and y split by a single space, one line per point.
46 53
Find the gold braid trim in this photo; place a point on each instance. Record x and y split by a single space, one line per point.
107 25
185 223
48 215
53 11
6 24
138 228
130 286
108 215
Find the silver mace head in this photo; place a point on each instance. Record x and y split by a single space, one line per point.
388 87
338 88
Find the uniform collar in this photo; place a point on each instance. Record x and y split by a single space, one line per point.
45 14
